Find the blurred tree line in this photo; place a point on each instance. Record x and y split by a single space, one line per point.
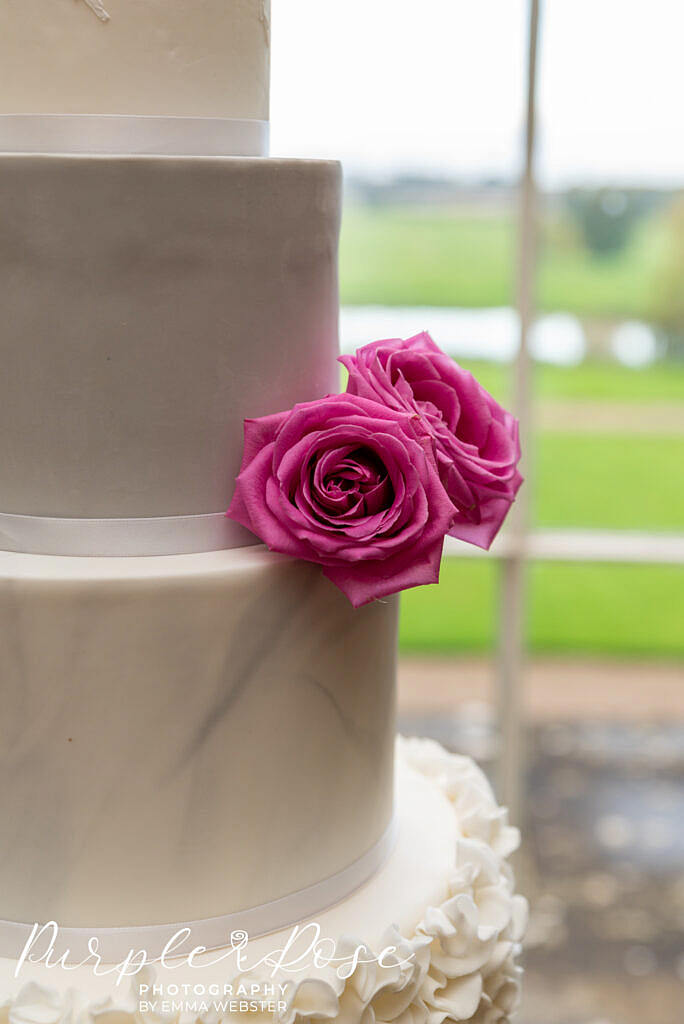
607 216
634 238
606 219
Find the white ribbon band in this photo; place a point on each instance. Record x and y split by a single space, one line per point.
114 944
160 535
132 135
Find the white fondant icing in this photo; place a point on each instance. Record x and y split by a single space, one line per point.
193 58
457 932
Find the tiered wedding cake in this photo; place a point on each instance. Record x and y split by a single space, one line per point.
195 732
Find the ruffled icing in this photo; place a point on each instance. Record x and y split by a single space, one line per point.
459 965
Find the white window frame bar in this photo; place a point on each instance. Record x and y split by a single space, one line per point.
520 544
512 589
578 545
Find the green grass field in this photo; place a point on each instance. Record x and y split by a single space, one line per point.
621 610
410 256
601 480
662 382
609 481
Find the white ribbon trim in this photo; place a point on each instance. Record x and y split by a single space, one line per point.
157 535
132 135
114 944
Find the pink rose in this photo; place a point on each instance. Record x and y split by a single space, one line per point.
350 484
475 439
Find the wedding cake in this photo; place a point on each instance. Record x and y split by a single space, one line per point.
198 732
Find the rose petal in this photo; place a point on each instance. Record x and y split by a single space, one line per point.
475 440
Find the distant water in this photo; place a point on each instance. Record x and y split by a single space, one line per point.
493 333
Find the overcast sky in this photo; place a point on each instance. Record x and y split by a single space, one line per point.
438 85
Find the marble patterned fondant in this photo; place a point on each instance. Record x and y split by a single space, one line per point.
185 736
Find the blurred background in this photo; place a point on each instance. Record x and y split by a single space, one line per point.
543 246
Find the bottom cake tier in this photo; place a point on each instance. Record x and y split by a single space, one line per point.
432 937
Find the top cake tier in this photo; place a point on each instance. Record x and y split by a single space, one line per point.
204 58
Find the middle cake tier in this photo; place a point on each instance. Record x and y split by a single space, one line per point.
150 304
187 736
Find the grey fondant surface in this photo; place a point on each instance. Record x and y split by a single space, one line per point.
148 306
